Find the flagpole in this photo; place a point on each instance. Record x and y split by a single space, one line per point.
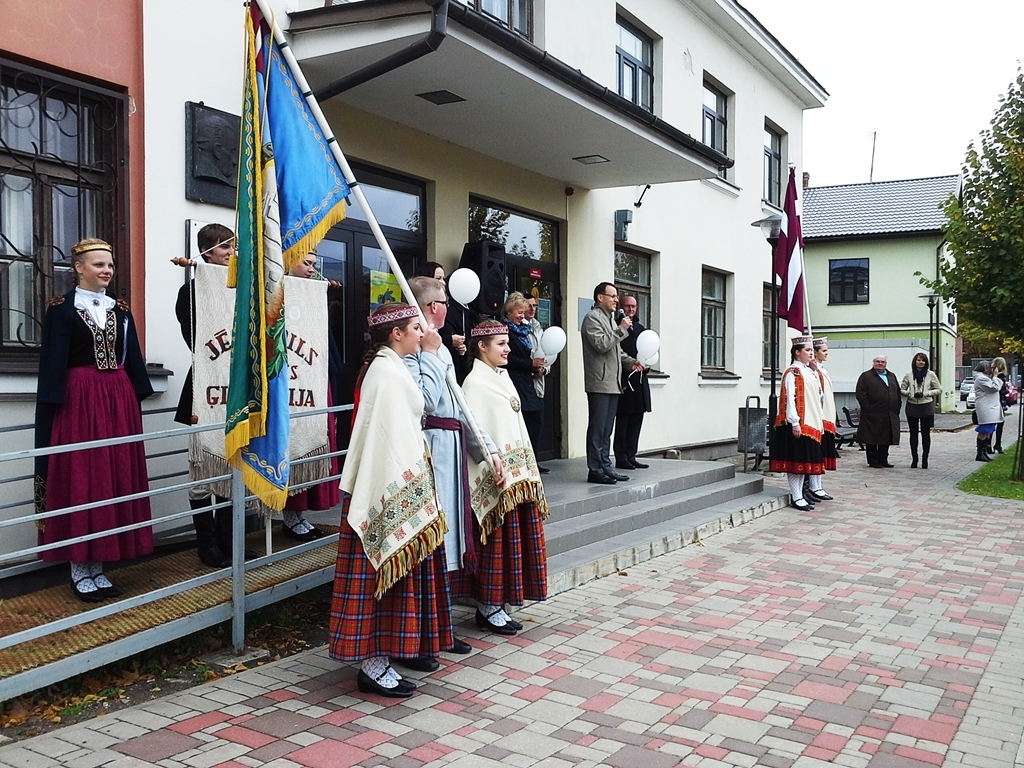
357 192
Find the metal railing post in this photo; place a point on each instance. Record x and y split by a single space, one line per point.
237 560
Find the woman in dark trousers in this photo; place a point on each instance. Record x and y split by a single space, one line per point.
1000 371
522 365
922 389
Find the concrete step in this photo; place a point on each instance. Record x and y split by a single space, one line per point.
636 514
597 559
570 496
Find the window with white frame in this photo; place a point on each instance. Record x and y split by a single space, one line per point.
716 120
633 278
634 56
712 312
772 166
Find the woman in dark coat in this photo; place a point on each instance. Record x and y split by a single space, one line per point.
635 399
878 393
522 365
92 379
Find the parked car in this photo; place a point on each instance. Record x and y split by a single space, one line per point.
966 387
970 398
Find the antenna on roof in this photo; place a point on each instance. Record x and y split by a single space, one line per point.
871 173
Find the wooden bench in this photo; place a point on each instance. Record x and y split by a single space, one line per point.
848 435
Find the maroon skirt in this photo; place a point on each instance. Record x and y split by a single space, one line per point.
327 494
413 618
97 405
511 566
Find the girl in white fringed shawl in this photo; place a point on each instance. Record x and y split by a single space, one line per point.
509 511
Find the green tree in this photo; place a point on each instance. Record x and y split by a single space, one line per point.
985 230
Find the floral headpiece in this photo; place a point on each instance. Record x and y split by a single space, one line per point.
498 329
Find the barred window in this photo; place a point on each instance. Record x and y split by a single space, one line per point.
633 278
61 179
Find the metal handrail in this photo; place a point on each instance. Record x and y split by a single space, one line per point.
237 570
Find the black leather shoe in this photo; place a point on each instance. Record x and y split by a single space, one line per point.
484 623
514 624
624 465
420 663
542 470
96 596
110 591
640 465
312 534
600 478
819 496
369 685
887 465
616 476
460 646
802 505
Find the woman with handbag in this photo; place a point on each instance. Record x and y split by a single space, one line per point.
922 389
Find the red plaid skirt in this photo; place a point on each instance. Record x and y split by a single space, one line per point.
413 618
326 495
512 566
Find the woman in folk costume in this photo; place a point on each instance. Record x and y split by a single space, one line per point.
323 495
829 452
512 561
92 379
390 594
796 439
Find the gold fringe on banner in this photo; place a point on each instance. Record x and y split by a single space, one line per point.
527 492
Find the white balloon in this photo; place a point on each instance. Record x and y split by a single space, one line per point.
549 359
652 361
463 285
647 343
553 341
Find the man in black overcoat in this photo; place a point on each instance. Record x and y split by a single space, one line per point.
878 393
635 399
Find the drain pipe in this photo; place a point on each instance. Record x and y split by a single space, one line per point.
429 44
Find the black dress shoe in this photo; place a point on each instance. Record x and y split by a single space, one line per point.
802 505
420 663
819 496
625 465
484 623
616 476
887 465
460 647
542 470
600 478
640 465
368 685
510 622
95 596
110 591
312 534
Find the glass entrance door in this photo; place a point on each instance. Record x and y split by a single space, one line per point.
540 280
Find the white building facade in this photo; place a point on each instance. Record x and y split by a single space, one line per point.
530 121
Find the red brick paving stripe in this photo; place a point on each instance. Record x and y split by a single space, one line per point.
330 754
199 722
930 730
921 755
245 737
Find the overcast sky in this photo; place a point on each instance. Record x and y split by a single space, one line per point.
925 75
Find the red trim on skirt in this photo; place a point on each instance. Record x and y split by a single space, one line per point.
97 405
413 618
512 566
327 494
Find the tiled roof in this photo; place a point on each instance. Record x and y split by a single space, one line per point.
878 208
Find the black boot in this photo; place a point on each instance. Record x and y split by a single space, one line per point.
223 517
209 550
913 460
982 453
924 460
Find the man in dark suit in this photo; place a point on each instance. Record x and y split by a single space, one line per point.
878 393
635 399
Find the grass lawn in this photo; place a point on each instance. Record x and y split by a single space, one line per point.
992 479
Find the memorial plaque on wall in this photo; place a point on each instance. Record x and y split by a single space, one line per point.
211 154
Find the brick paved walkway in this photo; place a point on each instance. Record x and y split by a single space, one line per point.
884 629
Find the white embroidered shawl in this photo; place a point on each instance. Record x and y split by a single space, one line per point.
394 508
494 401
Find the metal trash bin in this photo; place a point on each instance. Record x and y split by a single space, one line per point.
752 431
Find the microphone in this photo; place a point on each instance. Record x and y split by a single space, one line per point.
619 315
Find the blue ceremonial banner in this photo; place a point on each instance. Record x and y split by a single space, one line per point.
291 191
